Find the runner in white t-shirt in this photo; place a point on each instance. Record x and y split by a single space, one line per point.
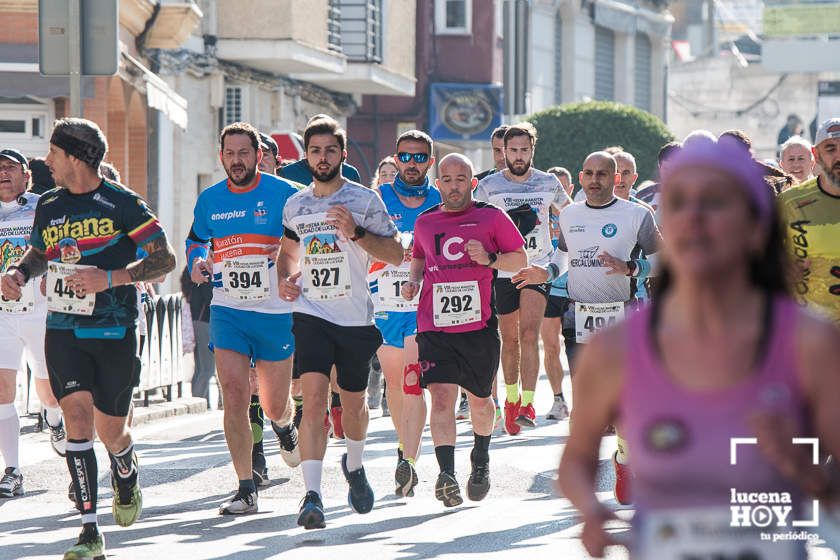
332 230
22 323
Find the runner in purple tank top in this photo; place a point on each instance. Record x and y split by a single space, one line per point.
458 248
713 383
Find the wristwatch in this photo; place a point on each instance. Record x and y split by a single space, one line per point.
358 233
631 267
493 257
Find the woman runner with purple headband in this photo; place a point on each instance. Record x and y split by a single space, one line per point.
722 353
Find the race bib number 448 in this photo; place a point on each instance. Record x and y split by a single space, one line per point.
62 299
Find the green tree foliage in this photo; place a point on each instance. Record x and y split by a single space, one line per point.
568 133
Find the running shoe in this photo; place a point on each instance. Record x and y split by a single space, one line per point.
58 437
405 478
360 497
479 482
241 503
91 545
337 429
298 413
463 409
623 482
311 514
511 412
128 500
259 469
527 417
11 484
288 439
447 491
559 410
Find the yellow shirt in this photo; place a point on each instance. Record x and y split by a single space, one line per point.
811 220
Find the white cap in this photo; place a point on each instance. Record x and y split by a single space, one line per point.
828 129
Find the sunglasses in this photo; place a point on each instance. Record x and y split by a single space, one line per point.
405 157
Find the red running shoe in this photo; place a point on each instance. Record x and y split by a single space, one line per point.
511 413
623 482
527 417
337 428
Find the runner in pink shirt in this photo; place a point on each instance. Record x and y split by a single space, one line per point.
458 247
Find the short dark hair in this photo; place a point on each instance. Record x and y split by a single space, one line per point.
499 132
557 170
324 125
521 129
240 128
668 150
738 135
417 136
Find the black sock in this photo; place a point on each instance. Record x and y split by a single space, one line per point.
90 530
247 486
335 400
481 449
255 413
399 454
81 462
559 396
446 458
123 467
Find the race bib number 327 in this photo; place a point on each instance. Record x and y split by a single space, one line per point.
326 276
62 299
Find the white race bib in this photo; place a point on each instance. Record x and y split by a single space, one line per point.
390 284
707 534
246 278
25 303
62 299
326 276
592 317
456 303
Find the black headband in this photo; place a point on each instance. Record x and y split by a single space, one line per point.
79 149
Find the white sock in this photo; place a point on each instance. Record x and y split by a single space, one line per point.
10 435
53 416
312 469
355 450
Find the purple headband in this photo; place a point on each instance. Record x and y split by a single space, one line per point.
727 155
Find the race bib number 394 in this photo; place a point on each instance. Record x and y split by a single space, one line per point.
592 317
326 276
246 278
456 303
62 299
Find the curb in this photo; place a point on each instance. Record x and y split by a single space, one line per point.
160 410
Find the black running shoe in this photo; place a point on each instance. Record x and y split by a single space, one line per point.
360 497
479 482
447 490
311 514
288 439
259 469
405 478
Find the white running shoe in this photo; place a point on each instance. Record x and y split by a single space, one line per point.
559 411
240 504
288 439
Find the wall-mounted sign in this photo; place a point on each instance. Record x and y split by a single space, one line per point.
464 111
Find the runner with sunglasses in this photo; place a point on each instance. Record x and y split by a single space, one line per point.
409 195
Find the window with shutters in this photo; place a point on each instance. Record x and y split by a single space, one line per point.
234 104
334 25
604 63
361 30
643 72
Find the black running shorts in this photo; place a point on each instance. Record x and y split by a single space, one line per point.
467 359
556 307
108 368
320 344
506 294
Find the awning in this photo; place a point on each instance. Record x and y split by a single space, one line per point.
159 95
19 75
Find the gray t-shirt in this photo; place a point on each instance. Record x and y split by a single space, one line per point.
333 268
541 191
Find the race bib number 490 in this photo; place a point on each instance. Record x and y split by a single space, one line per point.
326 276
592 317
62 299
246 278
456 303
390 290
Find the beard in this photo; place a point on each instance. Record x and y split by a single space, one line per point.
832 173
518 172
246 179
421 178
325 176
